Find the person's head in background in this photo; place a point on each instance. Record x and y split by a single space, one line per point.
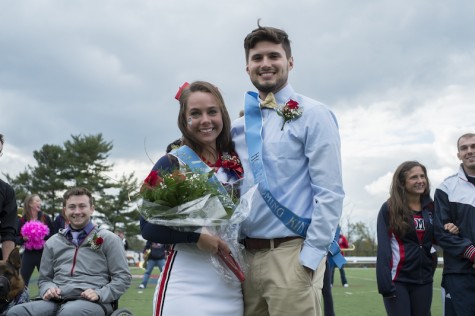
466 152
174 145
410 183
32 206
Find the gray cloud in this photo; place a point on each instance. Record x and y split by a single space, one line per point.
399 76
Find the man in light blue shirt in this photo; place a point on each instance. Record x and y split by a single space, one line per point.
293 152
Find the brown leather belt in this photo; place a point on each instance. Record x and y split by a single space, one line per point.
257 244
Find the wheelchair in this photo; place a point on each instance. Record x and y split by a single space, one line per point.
120 311
116 311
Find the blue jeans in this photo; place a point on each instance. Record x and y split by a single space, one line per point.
150 265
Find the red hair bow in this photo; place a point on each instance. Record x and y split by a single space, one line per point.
180 90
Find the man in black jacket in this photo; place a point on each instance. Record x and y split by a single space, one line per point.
8 215
156 254
455 202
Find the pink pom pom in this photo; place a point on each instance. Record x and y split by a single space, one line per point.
35 231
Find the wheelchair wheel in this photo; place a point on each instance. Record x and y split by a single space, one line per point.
122 312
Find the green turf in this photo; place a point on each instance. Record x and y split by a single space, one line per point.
361 298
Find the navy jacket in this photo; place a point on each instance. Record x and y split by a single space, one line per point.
455 203
404 259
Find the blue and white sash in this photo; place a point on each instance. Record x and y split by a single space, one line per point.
253 118
335 256
297 224
194 162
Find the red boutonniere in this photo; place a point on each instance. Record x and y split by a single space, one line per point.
96 241
232 162
290 111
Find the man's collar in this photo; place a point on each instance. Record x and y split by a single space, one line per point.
88 228
284 94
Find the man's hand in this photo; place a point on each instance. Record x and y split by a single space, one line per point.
90 295
52 293
309 271
451 228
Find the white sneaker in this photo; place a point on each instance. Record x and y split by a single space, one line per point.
345 285
141 286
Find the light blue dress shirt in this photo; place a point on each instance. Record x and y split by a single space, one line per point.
303 169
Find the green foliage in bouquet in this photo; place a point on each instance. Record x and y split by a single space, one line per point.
177 188
163 194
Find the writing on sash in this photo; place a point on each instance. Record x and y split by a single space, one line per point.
293 222
297 225
256 167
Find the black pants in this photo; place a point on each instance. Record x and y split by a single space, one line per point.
30 259
459 289
411 300
327 292
342 275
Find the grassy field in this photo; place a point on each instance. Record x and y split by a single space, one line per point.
361 298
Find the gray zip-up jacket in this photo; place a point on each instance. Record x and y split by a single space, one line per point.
75 269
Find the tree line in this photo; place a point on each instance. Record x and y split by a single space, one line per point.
363 238
81 161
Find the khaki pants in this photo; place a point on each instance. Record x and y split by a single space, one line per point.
277 284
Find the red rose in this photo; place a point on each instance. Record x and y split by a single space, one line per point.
153 179
293 105
231 164
99 241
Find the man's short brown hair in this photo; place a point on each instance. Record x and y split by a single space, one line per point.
267 34
468 135
76 192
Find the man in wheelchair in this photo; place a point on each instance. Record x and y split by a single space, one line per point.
83 269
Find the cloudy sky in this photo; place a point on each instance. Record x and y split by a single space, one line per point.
400 76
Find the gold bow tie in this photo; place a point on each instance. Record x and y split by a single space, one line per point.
269 102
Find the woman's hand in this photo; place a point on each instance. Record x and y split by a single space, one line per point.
211 243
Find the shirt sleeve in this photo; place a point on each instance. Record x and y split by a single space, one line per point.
455 245
118 270
8 213
45 278
384 255
322 149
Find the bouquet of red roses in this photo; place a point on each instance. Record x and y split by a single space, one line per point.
188 201
184 198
